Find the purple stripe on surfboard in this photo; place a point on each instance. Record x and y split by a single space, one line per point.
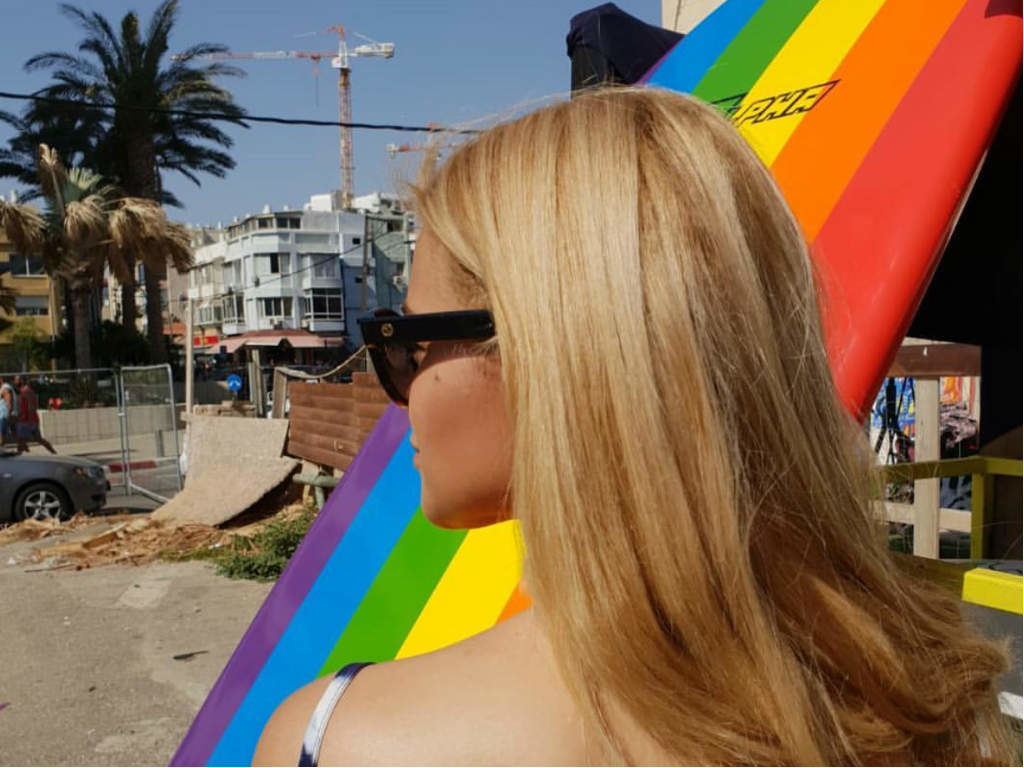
291 589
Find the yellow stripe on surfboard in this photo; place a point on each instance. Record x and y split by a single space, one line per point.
798 77
463 603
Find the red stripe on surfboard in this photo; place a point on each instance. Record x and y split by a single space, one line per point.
882 239
519 601
832 140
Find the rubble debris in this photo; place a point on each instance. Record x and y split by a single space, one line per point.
32 530
142 539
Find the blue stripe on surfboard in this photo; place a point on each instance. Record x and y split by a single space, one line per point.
334 597
691 58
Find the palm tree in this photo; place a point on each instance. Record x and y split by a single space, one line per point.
138 144
72 132
88 225
7 299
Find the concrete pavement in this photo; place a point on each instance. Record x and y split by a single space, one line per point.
89 675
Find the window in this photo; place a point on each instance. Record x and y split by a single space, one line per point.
31 305
357 241
25 266
231 274
322 264
233 308
276 307
210 313
319 264
265 223
271 263
287 222
322 304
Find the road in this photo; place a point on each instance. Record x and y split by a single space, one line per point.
90 675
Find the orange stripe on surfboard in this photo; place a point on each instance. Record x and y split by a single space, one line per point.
826 149
518 602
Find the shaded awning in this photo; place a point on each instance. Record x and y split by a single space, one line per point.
297 339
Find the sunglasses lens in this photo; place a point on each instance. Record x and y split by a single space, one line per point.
400 368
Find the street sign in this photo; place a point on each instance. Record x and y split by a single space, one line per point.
235 382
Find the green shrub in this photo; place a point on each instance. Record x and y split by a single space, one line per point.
262 556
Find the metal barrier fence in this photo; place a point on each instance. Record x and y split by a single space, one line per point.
77 410
151 447
126 420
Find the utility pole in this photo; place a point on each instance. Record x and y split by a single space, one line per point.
189 342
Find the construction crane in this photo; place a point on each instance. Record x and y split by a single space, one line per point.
339 60
394 149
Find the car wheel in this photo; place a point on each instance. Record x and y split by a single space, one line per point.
42 501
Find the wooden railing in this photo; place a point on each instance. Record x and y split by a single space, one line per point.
927 518
926 362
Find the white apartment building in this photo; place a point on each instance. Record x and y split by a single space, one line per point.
292 275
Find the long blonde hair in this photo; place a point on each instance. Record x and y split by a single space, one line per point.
693 499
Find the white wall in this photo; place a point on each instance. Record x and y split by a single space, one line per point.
684 15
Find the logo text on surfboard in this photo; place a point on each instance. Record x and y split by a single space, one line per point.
793 102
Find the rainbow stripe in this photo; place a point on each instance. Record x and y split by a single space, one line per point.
372 581
873 116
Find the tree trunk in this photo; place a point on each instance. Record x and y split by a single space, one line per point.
83 350
145 182
129 310
154 317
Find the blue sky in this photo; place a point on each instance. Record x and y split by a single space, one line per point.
455 61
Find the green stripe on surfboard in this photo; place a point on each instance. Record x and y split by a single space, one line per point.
397 596
752 50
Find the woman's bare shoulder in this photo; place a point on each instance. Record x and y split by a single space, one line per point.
485 700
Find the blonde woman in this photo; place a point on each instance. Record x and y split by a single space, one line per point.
610 316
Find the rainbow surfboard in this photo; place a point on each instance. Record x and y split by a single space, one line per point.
371 581
873 115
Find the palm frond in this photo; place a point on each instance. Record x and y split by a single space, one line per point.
52 176
23 226
7 302
157 33
169 199
85 222
108 59
81 67
101 31
140 227
178 245
86 182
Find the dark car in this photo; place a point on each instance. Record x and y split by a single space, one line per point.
49 487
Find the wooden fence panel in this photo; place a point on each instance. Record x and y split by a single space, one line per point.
328 423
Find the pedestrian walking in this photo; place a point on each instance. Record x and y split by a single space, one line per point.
8 411
27 428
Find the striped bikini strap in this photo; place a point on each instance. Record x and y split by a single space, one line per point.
317 727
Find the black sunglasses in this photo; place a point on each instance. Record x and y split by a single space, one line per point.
393 339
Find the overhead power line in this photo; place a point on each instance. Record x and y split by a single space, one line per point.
238 119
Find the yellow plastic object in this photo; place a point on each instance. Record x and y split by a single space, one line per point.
994 589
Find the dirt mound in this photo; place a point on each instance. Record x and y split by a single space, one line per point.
133 539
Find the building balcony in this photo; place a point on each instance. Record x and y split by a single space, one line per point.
322 325
234 327
275 324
